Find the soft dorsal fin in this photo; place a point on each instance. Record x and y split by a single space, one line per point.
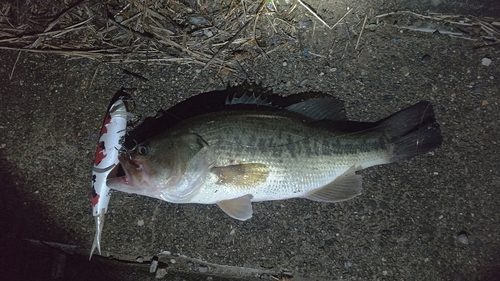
316 107
239 208
345 187
328 108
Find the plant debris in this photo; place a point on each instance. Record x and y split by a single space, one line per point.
484 30
215 34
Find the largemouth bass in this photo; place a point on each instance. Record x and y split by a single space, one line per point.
239 155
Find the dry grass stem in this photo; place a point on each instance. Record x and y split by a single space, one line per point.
361 32
261 8
314 13
14 66
148 31
225 45
93 76
345 15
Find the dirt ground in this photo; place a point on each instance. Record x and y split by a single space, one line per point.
434 217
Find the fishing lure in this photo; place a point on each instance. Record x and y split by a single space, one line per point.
106 158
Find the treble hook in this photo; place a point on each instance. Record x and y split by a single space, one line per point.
129 152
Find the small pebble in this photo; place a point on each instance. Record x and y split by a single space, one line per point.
305 24
304 82
486 61
119 18
208 33
463 238
197 20
436 34
172 261
425 59
477 89
154 265
161 273
284 63
203 269
140 222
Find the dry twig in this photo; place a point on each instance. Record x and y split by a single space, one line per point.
14 66
314 13
361 32
225 45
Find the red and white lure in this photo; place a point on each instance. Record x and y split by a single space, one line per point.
105 160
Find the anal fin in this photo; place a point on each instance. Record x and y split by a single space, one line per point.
346 186
239 208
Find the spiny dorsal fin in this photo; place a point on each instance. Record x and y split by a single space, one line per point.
248 99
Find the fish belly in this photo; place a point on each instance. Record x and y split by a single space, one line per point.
287 181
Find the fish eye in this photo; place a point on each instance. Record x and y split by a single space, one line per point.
143 149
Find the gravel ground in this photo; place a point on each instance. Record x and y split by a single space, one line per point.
434 217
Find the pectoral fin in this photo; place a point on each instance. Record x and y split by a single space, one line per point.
239 208
347 186
242 175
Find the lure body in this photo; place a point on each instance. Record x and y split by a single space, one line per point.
106 158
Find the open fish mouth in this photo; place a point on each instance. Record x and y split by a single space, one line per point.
121 171
117 172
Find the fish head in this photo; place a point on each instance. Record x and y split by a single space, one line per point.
150 168
170 167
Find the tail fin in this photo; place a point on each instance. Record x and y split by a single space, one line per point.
413 131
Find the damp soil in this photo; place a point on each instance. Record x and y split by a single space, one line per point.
434 217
